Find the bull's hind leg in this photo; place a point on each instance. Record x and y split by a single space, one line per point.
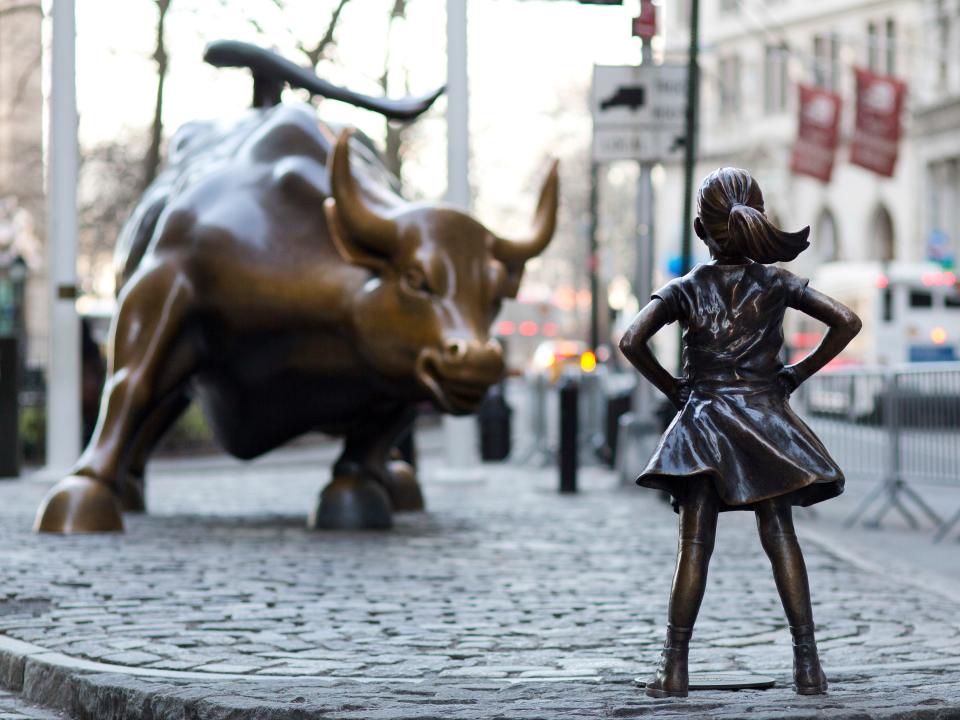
149 360
359 496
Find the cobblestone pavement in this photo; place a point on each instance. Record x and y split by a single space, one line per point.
505 600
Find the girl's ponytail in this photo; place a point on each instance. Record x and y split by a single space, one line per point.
762 241
730 206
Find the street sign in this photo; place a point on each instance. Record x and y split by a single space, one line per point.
638 112
645 24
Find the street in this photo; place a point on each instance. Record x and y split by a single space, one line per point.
221 601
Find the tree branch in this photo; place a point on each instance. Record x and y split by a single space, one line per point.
316 53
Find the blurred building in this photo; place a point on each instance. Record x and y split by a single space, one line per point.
936 127
22 199
754 55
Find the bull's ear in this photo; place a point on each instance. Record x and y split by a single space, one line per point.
349 250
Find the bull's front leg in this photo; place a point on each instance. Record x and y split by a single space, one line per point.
367 486
150 361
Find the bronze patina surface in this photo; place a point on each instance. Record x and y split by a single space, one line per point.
735 444
273 273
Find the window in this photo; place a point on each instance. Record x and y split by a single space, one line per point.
729 6
952 301
943 23
887 305
775 80
825 241
728 86
873 47
826 61
891 47
921 299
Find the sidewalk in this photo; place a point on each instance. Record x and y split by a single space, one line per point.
505 600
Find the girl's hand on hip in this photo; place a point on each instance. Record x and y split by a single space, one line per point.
681 393
789 379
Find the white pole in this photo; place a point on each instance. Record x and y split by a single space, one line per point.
460 433
63 364
458 117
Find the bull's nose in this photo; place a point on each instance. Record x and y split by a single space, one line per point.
456 350
483 355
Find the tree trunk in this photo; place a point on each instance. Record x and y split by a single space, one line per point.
151 163
393 135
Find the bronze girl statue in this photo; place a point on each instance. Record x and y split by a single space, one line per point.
735 444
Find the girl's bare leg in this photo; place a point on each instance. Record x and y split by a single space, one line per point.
698 529
775 523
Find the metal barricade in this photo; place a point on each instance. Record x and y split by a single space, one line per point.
898 426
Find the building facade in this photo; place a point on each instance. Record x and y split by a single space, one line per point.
22 198
754 53
936 129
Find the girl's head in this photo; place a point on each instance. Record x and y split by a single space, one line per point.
730 220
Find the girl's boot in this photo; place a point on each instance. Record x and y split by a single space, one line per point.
808 676
672 679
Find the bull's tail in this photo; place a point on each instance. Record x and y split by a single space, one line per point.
271 72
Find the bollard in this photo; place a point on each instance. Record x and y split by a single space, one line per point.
569 399
494 420
9 408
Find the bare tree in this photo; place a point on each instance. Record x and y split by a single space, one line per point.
318 51
151 162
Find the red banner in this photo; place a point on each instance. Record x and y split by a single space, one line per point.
877 135
817 134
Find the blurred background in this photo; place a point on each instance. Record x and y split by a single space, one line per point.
847 112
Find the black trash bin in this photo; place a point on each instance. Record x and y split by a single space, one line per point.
494 418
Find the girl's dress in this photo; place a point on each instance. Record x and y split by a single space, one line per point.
737 427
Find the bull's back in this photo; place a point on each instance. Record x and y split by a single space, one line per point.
253 187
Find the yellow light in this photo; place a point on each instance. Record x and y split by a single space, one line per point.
588 362
938 335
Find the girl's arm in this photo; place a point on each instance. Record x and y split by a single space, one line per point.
842 323
634 346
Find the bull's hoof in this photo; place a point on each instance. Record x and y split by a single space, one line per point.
403 488
79 504
353 503
132 495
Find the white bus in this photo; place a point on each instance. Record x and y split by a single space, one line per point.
910 313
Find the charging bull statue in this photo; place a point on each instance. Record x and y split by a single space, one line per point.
273 273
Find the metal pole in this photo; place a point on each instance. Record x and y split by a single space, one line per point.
458 117
690 148
460 433
593 258
643 271
63 364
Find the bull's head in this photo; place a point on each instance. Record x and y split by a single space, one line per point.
439 279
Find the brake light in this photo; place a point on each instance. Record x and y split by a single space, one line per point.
528 328
946 279
883 282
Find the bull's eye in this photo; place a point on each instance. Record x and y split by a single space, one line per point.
416 281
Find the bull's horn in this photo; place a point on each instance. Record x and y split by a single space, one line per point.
518 251
362 224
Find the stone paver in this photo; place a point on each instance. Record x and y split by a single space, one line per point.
505 600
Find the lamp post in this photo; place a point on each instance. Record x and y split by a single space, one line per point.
460 433
690 148
63 365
